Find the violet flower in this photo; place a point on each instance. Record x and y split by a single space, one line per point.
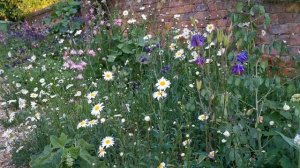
144 59
197 40
200 61
165 69
242 57
238 69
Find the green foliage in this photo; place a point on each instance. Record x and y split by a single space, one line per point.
64 17
210 117
64 152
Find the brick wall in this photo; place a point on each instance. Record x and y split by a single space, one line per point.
285 16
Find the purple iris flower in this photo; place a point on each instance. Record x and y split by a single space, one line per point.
238 69
165 69
197 40
144 59
242 57
147 49
199 61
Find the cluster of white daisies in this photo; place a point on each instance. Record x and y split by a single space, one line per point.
161 85
105 143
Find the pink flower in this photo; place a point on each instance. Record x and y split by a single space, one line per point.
80 52
118 22
73 52
66 65
83 63
92 53
79 67
102 22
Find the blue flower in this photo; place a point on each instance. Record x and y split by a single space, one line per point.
147 49
144 59
197 40
199 61
242 57
238 69
165 69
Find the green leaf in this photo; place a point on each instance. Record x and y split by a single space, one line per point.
237 81
59 142
47 159
267 20
286 115
74 152
290 141
286 162
84 145
239 6
86 160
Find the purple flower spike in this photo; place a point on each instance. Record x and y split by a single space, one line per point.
238 69
200 61
197 40
242 57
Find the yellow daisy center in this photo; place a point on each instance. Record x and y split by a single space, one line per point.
107 142
97 107
162 83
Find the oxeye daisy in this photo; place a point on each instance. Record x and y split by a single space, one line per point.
92 123
108 142
92 95
82 124
159 94
101 151
162 165
179 54
163 84
210 28
108 75
202 117
97 109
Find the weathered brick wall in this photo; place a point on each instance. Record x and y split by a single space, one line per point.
285 16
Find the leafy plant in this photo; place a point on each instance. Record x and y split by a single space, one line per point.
64 16
64 152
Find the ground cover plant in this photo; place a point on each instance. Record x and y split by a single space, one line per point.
114 94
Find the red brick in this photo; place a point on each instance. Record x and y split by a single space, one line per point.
217 14
286 18
182 9
285 28
274 18
294 40
212 6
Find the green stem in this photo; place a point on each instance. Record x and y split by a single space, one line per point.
161 127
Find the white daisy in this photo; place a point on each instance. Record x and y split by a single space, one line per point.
162 165
108 75
92 95
210 28
179 54
159 94
97 109
101 151
202 117
83 124
108 142
163 84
